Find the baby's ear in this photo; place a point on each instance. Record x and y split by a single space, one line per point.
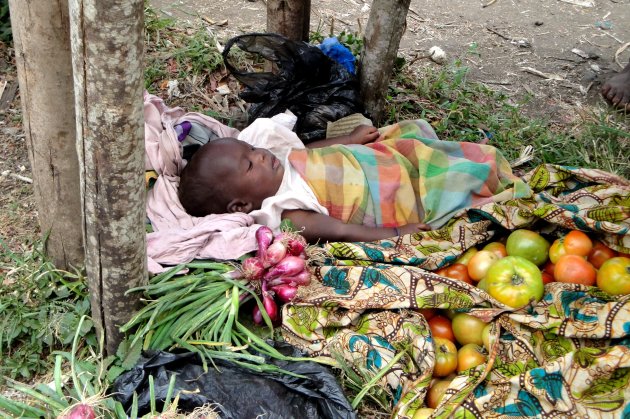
238 205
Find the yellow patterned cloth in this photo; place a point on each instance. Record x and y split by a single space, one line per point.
567 356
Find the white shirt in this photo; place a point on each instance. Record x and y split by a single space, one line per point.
275 135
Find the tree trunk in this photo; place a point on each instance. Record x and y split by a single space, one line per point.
107 46
41 35
290 18
385 27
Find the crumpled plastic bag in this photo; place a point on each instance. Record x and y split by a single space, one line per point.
314 87
237 392
338 52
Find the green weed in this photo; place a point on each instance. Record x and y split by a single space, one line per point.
40 308
176 53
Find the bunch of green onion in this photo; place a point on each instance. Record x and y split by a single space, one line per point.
199 311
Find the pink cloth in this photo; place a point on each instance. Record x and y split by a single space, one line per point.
178 237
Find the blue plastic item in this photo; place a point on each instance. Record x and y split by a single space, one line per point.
338 52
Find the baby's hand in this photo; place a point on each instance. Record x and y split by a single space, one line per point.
413 228
363 134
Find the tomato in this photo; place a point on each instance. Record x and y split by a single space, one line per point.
469 356
548 267
574 269
515 281
480 263
614 276
423 413
497 248
468 329
600 254
547 278
441 327
445 357
483 285
428 313
465 257
557 250
436 392
528 244
457 271
577 243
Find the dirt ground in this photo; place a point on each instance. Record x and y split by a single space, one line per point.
557 51
519 46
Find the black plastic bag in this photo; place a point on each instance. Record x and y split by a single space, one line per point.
315 88
237 391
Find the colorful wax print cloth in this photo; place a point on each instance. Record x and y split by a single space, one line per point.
409 176
567 355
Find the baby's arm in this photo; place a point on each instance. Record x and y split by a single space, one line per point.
319 227
362 134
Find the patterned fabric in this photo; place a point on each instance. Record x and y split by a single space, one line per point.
408 177
567 356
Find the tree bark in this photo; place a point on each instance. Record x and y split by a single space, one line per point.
290 18
41 35
107 54
385 28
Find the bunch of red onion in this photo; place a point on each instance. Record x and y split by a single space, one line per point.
280 265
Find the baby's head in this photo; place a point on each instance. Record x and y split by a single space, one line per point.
228 175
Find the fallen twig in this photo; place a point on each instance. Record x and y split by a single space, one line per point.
583 3
619 51
18 177
488 4
548 76
523 43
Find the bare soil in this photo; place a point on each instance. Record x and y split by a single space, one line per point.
556 51
518 46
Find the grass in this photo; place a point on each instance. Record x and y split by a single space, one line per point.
461 110
41 307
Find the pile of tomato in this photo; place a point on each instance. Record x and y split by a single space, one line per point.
514 271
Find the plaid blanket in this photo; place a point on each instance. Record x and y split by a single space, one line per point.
408 177
567 356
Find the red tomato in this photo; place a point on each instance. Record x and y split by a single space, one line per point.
600 254
436 392
548 267
469 356
497 248
574 269
480 263
458 271
468 329
428 313
515 281
547 278
445 357
614 276
577 243
441 327
528 244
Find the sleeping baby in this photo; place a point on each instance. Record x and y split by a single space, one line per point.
364 186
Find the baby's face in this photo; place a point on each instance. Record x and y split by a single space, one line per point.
251 173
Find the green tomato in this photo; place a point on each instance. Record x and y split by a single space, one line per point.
515 281
528 244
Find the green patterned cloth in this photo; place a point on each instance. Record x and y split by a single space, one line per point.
567 356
